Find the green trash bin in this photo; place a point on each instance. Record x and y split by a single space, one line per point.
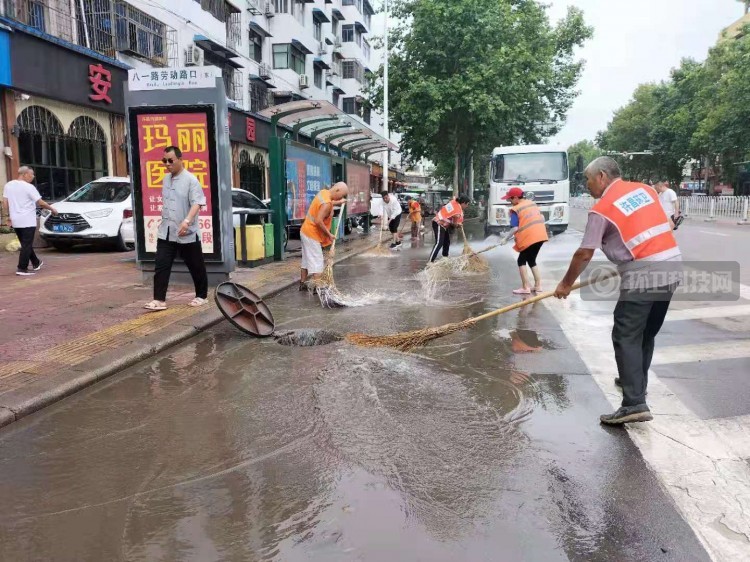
268 237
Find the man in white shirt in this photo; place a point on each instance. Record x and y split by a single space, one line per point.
20 200
669 201
392 214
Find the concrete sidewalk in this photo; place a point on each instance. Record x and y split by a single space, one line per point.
81 319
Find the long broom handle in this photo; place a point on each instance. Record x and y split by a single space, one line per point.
542 296
338 226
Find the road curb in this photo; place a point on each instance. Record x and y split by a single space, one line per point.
19 403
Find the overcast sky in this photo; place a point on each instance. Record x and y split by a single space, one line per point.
636 41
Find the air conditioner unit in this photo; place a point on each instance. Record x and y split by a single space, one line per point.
322 48
193 56
264 71
270 12
304 81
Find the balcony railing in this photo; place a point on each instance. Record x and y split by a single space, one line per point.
234 85
105 26
234 30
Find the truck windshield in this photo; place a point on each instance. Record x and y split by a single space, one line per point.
531 166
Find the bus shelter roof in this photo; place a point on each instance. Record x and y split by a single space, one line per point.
298 113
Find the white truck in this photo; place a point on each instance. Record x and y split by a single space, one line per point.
542 172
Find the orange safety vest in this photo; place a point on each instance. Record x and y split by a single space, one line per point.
415 211
450 213
309 228
531 228
636 212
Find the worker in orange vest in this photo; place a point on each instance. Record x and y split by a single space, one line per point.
315 233
528 228
446 219
629 224
415 215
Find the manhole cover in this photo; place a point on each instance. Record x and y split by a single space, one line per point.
244 309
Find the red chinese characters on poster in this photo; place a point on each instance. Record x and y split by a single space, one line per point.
188 132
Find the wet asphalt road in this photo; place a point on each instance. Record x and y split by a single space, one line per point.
483 446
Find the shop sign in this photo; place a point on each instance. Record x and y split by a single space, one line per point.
188 132
250 129
101 81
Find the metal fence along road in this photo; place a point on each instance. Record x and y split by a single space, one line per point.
728 207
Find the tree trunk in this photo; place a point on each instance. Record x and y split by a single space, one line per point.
471 176
456 166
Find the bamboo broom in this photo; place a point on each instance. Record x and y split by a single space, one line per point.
471 261
326 277
380 250
406 341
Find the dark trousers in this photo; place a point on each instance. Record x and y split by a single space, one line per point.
442 241
638 318
191 254
26 238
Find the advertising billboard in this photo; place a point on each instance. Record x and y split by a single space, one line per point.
191 129
307 172
358 180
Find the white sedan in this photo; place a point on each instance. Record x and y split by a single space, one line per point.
100 212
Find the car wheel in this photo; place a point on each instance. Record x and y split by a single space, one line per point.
61 246
121 245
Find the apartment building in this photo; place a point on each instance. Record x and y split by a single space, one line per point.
64 64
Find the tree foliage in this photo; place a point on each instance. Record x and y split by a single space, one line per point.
702 113
466 75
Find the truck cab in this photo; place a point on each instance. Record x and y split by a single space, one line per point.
542 172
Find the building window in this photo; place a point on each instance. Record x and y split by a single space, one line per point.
350 106
347 33
352 70
298 11
357 3
334 27
318 29
217 8
62 162
366 49
256 46
356 106
258 96
287 56
234 28
283 6
318 77
336 97
252 179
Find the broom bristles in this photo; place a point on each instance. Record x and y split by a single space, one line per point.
406 341
379 251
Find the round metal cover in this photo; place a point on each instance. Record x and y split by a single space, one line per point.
244 309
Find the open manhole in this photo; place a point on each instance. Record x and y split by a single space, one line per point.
244 309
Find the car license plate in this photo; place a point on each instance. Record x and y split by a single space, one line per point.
62 228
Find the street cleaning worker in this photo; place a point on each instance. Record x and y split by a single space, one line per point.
630 226
415 215
315 233
445 221
528 228
392 214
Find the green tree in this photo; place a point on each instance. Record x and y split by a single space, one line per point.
466 75
587 151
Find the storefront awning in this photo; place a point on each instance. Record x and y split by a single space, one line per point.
360 27
321 63
213 47
336 14
320 15
301 46
257 28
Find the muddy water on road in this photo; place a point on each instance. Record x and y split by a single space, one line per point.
230 448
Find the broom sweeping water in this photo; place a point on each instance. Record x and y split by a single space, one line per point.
472 262
406 341
329 295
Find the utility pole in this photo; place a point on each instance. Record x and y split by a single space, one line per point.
386 132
